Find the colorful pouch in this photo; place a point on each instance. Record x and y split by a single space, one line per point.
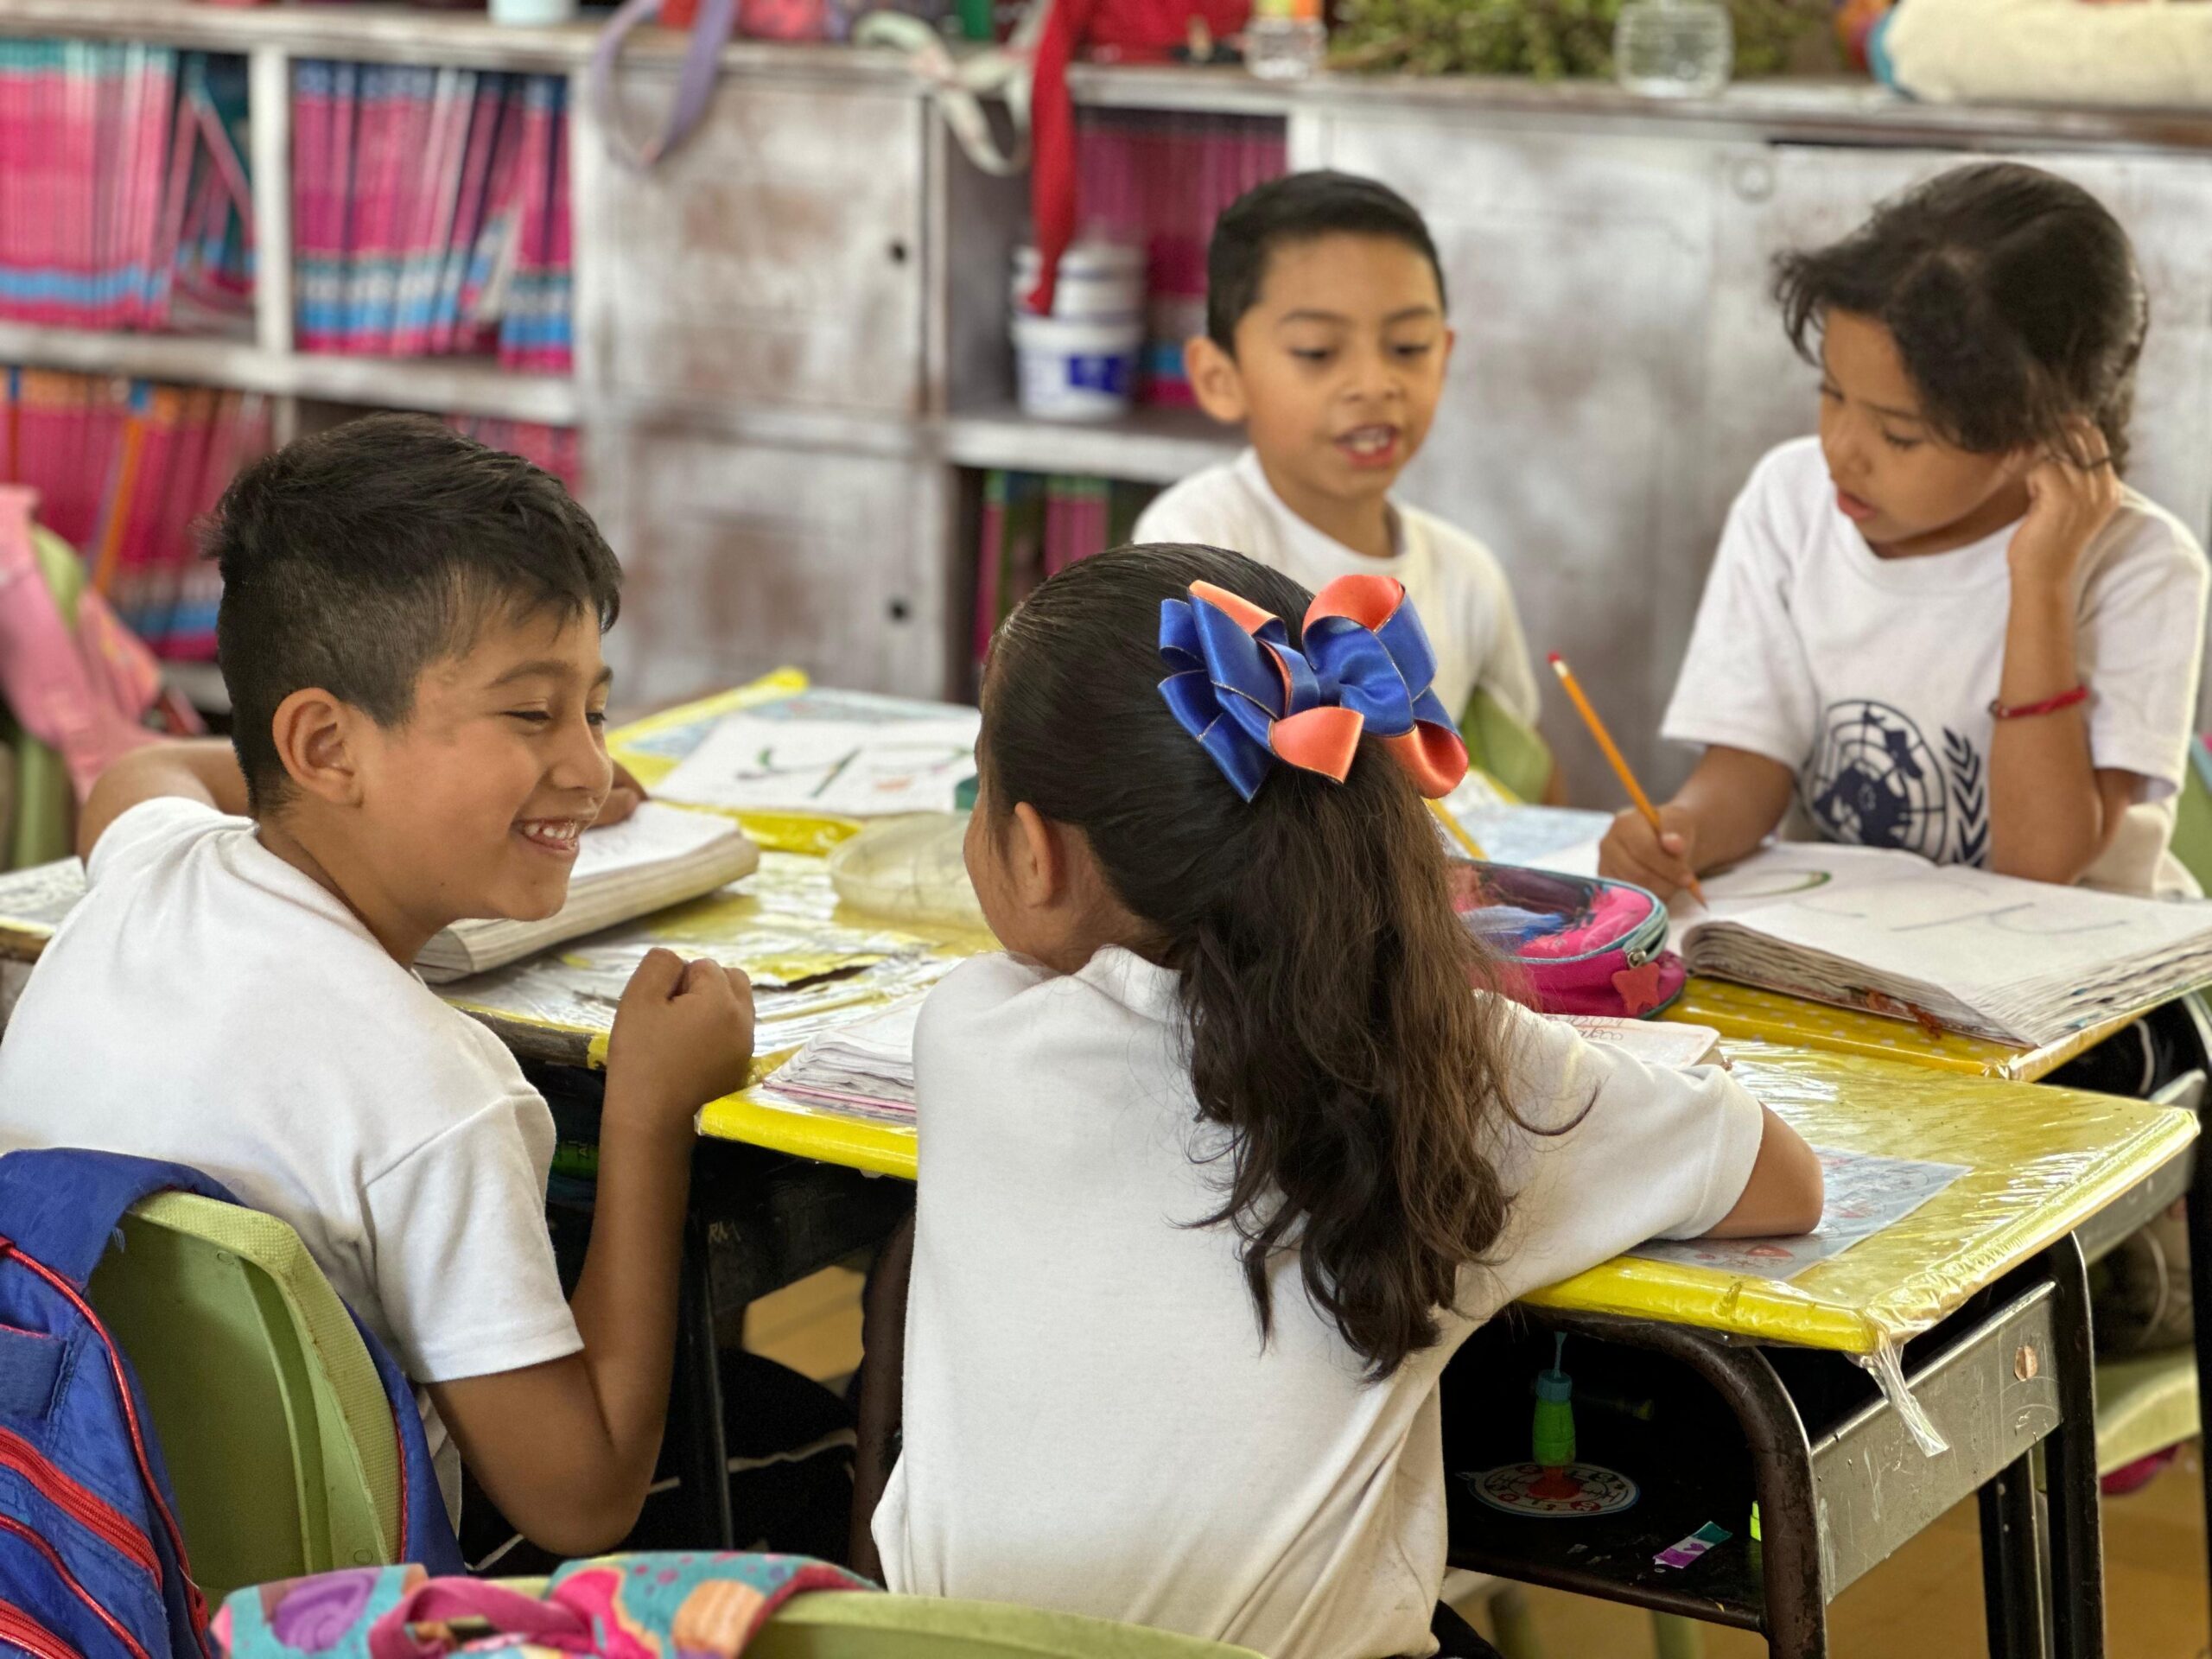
1578 944
701 1606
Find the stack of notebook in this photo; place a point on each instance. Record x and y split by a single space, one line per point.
864 1070
659 856
2019 963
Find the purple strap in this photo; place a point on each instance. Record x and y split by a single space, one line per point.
694 83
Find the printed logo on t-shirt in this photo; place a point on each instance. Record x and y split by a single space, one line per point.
1874 781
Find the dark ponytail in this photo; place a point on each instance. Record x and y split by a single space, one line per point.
1325 978
2014 298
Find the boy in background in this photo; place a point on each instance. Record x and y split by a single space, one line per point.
410 633
1326 341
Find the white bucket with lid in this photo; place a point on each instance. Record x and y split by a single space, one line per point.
1077 368
1096 279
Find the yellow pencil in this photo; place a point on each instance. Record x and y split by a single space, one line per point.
1458 832
1613 756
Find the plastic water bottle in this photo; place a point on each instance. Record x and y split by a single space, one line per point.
1285 39
1674 48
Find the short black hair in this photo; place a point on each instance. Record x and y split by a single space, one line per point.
354 559
2014 297
1299 208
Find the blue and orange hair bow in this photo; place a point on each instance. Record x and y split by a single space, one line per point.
1252 699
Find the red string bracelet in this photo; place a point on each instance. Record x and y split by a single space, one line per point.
2048 706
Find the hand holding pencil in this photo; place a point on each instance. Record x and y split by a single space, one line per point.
1659 859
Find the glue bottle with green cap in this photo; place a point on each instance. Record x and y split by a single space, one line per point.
1553 1435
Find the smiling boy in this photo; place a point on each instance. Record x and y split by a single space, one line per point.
411 636
1326 341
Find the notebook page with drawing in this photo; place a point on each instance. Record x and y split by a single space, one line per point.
835 752
2017 961
660 855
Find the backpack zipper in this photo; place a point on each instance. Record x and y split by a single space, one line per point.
8 1523
87 1508
19 1629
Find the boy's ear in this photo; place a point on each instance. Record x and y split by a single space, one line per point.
1216 381
317 738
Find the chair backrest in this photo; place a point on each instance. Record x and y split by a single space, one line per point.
2192 842
855 1626
1505 747
275 1426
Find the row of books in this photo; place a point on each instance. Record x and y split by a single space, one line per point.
430 213
1157 181
1035 526
125 201
125 469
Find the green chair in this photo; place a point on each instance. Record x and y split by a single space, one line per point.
272 1419
859 1626
1503 745
2192 841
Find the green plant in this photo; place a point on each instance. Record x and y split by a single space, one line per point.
1548 39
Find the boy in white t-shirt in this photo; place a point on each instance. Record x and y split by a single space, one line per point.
1944 626
409 634
1326 341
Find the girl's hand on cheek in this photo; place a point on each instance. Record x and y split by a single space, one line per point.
2067 505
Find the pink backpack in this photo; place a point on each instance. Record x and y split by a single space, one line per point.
1578 944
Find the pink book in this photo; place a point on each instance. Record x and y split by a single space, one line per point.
311 113
468 211
533 187
414 113
432 222
375 181
501 220
344 136
13 145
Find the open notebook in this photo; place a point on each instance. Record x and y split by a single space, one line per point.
2016 962
658 856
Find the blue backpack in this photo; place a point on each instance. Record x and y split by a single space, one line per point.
91 1563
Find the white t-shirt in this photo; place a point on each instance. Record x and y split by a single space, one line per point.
1871 677
1456 583
208 1004
1091 1423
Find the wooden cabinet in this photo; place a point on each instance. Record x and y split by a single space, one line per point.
777 258
741 557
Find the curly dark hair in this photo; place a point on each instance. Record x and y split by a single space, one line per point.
2014 298
1327 1015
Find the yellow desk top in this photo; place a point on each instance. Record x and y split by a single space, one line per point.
2043 1160
1742 1013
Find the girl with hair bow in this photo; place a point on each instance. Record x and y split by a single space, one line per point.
1223 1159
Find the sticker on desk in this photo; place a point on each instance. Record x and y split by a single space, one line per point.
1579 1491
1865 1194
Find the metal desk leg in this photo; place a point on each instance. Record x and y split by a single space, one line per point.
1782 1465
2077 1556
2200 1269
2014 1589
703 1465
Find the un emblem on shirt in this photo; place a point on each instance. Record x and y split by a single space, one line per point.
1875 782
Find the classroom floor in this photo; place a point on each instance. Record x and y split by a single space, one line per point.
1925 1599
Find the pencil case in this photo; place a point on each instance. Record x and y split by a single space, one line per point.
1575 944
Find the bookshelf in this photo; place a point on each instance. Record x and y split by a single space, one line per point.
791 372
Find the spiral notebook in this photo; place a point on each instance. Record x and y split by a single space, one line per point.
2022 963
